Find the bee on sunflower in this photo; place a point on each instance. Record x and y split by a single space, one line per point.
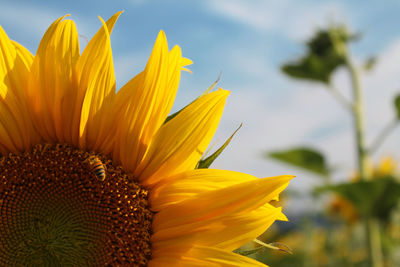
59 107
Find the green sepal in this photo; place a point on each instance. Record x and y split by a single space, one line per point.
173 115
206 163
303 157
264 246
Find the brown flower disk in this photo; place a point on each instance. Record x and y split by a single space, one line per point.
56 212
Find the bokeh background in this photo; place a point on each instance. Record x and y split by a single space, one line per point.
248 41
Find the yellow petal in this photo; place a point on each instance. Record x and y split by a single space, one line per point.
11 131
243 197
93 111
185 185
17 133
180 143
227 232
200 256
20 73
36 95
143 104
53 83
186 62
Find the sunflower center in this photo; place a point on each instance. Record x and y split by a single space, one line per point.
60 206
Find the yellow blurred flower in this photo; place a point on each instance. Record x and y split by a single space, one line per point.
344 209
387 166
60 113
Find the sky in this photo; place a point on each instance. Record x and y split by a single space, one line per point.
248 41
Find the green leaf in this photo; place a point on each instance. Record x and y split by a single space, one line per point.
305 158
397 106
206 163
326 51
312 67
375 198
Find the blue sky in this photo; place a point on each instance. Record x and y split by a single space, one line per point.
247 41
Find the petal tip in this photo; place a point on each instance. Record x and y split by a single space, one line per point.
224 92
161 37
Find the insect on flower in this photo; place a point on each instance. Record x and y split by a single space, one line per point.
97 167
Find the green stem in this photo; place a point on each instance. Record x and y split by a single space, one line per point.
358 114
375 246
371 225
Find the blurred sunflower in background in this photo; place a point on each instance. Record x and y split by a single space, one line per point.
343 208
94 177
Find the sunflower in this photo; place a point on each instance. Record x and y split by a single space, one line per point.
95 177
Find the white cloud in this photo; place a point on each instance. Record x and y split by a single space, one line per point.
381 86
289 122
295 21
255 14
384 82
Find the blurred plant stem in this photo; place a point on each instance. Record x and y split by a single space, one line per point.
382 135
371 224
310 232
339 97
375 247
